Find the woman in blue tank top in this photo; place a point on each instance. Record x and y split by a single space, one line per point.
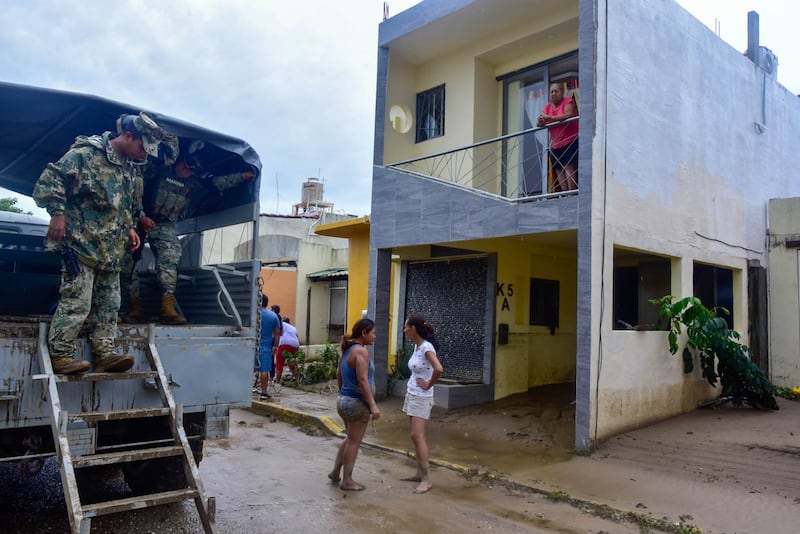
356 402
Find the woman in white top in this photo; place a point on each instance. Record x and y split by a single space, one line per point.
425 372
289 343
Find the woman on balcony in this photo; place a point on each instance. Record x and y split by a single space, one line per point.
563 138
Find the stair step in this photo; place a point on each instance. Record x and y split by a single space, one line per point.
135 503
97 377
108 458
111 415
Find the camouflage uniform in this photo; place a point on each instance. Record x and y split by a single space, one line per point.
97 191
166 199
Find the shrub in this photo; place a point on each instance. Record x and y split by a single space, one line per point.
722 358
325 368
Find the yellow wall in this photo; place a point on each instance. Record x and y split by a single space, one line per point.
356 231
473 95
532 356
358 275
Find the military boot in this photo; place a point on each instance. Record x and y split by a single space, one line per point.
69 366
113 363
136 312
170 315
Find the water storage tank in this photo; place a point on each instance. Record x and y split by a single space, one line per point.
312 192
311 198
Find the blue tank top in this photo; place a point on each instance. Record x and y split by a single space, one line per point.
350 387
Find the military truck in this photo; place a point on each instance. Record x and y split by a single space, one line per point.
185 378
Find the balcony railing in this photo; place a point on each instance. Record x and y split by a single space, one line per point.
515 167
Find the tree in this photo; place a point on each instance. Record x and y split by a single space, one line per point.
9 204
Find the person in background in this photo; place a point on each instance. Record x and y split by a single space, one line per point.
268 346
563 138
92 194
277 311
356 402
289 344
168 189
425 372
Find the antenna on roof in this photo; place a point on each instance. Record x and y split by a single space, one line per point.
385 10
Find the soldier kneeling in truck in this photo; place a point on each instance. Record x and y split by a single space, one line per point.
168 191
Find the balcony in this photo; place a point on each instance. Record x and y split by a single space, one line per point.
516 167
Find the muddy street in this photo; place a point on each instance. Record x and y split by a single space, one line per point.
270 476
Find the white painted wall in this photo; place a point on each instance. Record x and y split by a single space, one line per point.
784 292
678 169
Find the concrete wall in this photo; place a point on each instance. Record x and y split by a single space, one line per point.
784 291
679 169
280 285
316 257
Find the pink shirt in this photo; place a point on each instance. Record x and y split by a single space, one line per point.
565 134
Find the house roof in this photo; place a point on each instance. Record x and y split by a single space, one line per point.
332 273
346 228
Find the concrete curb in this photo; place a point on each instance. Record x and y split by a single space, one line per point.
489 477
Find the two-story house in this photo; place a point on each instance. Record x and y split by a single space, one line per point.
682 140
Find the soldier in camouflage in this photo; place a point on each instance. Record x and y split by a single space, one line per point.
168 191
92 194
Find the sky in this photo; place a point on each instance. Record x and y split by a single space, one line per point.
294 79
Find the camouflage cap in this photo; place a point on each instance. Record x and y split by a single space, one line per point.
152 134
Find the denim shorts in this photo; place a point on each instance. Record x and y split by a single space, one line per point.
416 406
352 410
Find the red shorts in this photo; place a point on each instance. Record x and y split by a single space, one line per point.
280 360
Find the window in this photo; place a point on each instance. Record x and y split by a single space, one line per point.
639 278
527 170
544 303
430 114
714 287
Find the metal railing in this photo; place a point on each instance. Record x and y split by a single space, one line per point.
512 167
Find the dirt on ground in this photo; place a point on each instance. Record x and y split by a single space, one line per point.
725 469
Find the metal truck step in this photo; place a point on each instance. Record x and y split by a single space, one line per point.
108 458
96 377
111 415
135 503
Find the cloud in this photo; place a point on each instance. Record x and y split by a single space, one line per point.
295 80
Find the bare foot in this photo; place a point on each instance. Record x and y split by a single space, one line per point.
353 486
334 476
423 487
413 478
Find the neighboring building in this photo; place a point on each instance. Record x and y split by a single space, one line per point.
304 273
784 291
682 142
